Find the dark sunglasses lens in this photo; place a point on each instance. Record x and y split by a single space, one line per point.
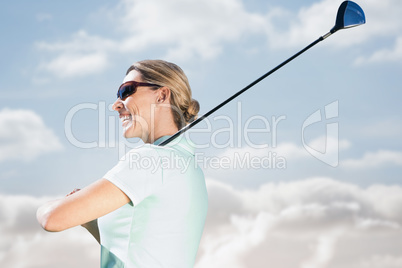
125 91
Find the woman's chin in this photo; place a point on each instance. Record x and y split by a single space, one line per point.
126 135
128 131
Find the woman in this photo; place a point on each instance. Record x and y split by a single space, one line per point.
142 216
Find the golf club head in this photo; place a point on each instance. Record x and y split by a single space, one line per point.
349 15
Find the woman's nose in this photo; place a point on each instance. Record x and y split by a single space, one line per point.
117 105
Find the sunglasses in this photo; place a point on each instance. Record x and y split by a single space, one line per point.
130 87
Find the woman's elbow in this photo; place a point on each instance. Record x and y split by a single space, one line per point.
48 220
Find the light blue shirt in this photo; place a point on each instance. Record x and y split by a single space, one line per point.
163 223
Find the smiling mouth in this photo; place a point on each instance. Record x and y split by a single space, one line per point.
125 119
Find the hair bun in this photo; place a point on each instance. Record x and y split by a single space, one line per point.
192 111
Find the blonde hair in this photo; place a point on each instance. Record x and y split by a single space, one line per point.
167 74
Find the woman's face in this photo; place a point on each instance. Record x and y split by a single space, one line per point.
135 111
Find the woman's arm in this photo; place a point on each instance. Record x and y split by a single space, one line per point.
82 207
92 226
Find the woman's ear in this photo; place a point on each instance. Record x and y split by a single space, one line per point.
164 94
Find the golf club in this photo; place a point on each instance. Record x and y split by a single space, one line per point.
349 15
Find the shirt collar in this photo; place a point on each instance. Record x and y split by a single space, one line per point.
179 141
161 139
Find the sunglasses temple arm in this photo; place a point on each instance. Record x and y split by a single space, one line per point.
195 122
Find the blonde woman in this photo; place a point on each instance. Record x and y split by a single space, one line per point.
144 217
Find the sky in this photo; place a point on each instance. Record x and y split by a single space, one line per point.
303 170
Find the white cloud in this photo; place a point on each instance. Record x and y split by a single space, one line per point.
83 55
229 248
381 262
384 55
24 135
324 251
305 26
183 30
24 244
70 65
383 21
190 34
377 159
188 28
311 223
80 41
388 206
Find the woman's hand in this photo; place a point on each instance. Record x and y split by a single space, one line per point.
73 192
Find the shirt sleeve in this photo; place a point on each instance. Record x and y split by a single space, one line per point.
138 174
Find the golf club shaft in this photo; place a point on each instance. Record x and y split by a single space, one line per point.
195 122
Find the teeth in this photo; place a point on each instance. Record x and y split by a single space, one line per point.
126 117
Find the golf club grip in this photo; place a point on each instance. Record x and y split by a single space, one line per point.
195 122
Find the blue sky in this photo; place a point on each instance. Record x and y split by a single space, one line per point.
60 57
